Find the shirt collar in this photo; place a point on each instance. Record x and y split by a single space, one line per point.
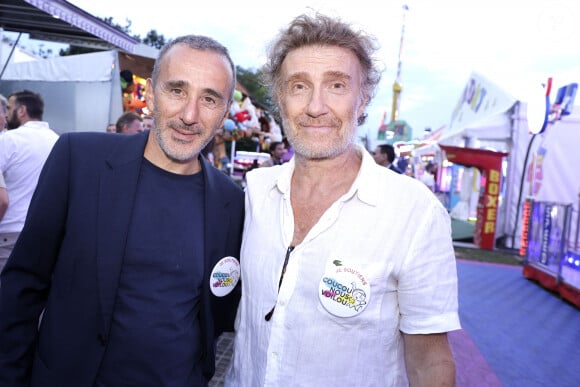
35 125
364 185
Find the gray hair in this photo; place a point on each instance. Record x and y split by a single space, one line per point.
3 104
321 30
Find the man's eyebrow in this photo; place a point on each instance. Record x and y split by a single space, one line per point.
337 75
297 76
180 84
213 92
328 75
175 84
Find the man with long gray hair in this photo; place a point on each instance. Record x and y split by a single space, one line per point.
339 294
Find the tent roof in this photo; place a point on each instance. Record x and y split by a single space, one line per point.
91 67
59 21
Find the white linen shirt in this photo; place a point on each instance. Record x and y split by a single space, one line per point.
390 227
23 152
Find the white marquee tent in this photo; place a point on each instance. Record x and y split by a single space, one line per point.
81 92
490 118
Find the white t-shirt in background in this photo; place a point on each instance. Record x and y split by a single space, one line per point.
23 152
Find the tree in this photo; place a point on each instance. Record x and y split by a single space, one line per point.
75 50
152 38
252 81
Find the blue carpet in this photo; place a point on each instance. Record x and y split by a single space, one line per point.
529 336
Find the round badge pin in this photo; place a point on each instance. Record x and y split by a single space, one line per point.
224 276
344 291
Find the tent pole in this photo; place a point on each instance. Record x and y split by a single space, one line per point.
10 55
232 154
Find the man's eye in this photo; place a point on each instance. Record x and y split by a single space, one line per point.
211 102
297 88
176 91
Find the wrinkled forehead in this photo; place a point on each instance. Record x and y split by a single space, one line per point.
200 67
321 61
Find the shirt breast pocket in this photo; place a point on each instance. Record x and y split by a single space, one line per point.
354 292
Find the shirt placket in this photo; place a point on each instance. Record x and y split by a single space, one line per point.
277 343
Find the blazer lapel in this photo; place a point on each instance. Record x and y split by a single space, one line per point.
117 189
217 217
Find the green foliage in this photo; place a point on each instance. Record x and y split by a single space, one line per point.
76 50
153 38
125 29
252 81
42 52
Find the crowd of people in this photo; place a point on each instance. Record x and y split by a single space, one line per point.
127 265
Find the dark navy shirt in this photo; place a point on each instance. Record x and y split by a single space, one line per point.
155 337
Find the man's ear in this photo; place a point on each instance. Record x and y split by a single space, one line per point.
361 109
21 111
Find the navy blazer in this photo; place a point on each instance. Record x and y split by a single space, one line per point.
67 261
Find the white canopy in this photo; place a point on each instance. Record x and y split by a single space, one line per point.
94 67
483 111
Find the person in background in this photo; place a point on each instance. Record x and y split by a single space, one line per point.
3 192
3 201
338 293
220 156
428 176
23 151
129 123
130 102
384 155
289 150
3 106
148 123
277 151
111 128
130 248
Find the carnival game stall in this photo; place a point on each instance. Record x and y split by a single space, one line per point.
489 163
81 92
487 117
550 215
538 198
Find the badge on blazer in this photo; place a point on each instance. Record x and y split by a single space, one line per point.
224 276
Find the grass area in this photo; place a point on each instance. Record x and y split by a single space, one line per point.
491 256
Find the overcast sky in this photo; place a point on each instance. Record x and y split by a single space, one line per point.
516 44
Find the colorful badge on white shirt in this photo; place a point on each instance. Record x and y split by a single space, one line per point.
344 291
224 276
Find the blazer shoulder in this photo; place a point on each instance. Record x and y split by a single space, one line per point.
88 140
116 147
